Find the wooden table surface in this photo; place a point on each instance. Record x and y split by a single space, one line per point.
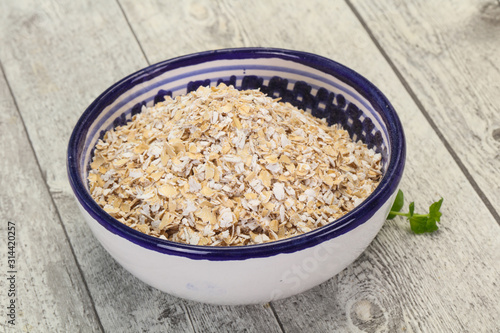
437 61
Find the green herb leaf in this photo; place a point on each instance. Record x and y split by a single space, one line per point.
412 208
434 210
397 205
419 223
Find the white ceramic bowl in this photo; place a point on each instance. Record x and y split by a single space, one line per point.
254 273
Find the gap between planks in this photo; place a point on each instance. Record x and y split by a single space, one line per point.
426 115
280 324
133 32
51 197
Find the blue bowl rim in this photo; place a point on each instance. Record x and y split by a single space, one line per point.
353 219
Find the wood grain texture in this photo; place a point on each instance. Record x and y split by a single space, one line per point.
171 28
448 52
59 56
94 48
420 283
51 295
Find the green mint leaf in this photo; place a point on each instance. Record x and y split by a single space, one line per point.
397 205
431 225
418 224
434 210
421 223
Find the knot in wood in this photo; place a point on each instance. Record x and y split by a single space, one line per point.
367 315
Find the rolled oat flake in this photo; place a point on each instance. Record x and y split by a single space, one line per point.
224 167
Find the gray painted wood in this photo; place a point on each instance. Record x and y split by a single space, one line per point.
94 48
365 296
171 28
51 294
58 57
448 52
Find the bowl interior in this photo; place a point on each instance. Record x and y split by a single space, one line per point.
317 85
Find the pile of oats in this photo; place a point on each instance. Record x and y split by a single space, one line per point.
220 166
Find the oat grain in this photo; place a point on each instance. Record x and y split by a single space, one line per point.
224 167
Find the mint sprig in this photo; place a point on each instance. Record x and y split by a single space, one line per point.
419 223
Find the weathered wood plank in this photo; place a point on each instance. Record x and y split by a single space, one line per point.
448 52
171 28
50 294
57 59
403 281
428 283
